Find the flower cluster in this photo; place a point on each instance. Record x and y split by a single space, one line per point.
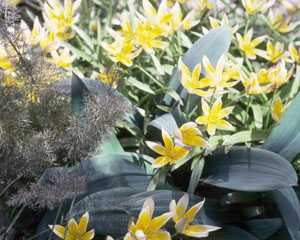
147 31
58 21
146 226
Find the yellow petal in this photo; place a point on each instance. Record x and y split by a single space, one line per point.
202 120
191 135
226 111
158 222
224 125
211 129
161 161
196 73
191 213
168 141
181 207
83 223
72 227
156 147
205 107
277 109
209 69
58 230
159 235
88 235
179 152
197 231
144 219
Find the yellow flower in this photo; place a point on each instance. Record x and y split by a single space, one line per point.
60 18
279 22
109 77
74 231
158 20
255 83
12 3
184 218
248 46
10 80
62 58
178 22
254 6
205 4
191 135
213 117
191 80
170 153
122 51
217 77
277 109
39 35
291 5
274 52
147 227
216 23
148 36
294 53
5 63
278 75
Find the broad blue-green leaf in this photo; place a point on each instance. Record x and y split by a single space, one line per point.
289 207
249 169
231 233
264 228
285 138
213 45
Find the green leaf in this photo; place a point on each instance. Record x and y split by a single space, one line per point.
258 115
196 175
285 138
249 169
84 36
142 86
78 90
246 136
213 45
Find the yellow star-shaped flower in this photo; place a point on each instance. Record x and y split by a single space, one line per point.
192 82
184 218
274 52
170 153
294 53
248 46
190 135
213 118
74 230
277 109
147 227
